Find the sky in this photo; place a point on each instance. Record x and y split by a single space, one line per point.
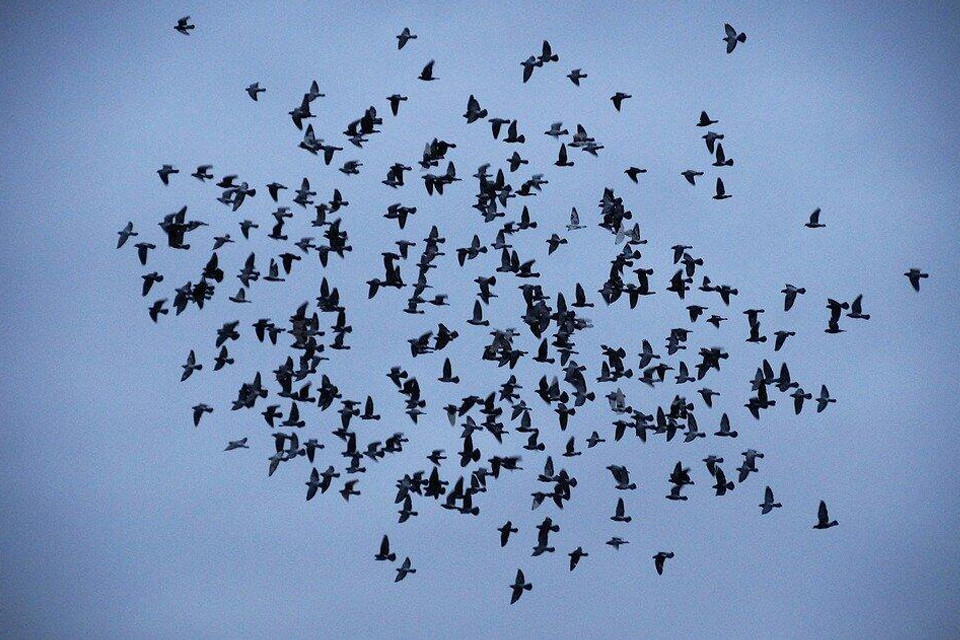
119 519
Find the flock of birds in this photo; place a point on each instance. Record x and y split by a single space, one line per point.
481 417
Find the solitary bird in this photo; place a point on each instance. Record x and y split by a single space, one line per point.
915 275
814 222
184 26
732 37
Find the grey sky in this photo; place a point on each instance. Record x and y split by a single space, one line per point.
120 520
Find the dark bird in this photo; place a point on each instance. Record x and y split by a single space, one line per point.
184 26
190 366
198 411
660 559
705 120
384 553
165 172
618 99
768 504
562 157
823 518
404 37
427 73
721 191
519 586
395 101
404 570
691 175
127 232
575 76
505 532
633 172
575 556
732 37
915 275
254 90
233 445
814 222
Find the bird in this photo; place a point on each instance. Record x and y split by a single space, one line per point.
198 411
732 37
427 73
404 570
915 275
233 445
505 532
519 585
127 232
705 120
576 75
405 37
190 366
395 100
824 399
254 90
618 99
165 172
823 518
634 172
768 504
184 26
691 175
575 557
814 222
721 191
384 554
659 559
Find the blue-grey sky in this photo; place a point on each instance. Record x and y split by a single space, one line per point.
121 520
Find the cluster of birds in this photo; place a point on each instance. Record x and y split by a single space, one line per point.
483 419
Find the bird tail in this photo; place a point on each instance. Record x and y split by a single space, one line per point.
742 37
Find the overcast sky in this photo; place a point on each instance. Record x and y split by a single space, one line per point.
121 520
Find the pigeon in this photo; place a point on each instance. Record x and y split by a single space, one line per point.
732 37
405 37
705 120
814 222
768 504
127 232
618 99
184 26
427 73
915 275
823 518
404 570
384 553
519 585
660 559
253 91
576 75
